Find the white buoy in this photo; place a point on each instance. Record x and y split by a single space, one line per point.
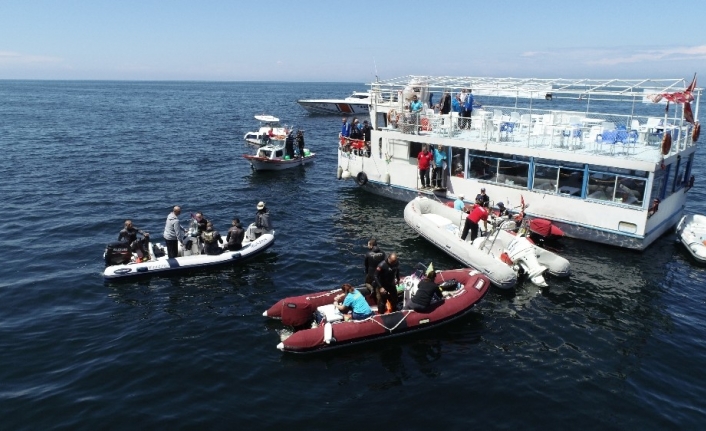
339 172
346 174
387 178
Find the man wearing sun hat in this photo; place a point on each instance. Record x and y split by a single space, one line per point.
262 219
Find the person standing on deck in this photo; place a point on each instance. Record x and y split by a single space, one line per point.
424 159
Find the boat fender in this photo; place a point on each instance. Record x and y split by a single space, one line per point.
361 178
235 256
328 333
339 172
696 132
387 178
666 143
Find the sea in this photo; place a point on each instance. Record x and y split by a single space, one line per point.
619 345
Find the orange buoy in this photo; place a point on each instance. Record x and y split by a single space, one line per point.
666 143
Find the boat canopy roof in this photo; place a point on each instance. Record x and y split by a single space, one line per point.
612 89
267 118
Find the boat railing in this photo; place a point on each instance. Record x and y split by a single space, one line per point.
600 133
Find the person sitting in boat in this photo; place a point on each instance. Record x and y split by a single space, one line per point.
262 219
459 204
129 235
372 259
480 212
387 277
427 292
211 240
235 236
300 143
502 211
201 222
353 302
289 145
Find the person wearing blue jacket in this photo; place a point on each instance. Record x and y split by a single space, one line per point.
345 128
437 177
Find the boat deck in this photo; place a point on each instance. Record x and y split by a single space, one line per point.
581 136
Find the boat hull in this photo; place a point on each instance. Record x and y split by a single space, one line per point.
346 333
315 107
278 164
163 264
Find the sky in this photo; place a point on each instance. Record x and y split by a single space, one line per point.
334 41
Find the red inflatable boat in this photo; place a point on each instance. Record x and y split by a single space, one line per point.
463 288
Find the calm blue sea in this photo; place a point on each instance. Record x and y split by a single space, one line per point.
619 345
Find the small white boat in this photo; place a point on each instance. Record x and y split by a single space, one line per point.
271 157
500 255
267 122
357 103
189 258
691 231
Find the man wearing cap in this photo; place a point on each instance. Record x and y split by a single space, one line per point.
482 198
480 212
459 205
502 211
262 219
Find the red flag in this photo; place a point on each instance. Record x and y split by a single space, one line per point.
692 86
688 115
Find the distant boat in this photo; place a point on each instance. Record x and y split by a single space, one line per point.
271 157
267 122
357 103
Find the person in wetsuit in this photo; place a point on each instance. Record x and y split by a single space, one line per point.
372 259
427 291
129 235
387 277
234 239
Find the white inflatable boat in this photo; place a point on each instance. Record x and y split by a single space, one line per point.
500 255
691 231
190 258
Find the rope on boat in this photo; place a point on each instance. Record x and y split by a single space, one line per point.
406 313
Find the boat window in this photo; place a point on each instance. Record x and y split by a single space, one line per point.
545 178
482 167
513 173
679 179
570 181
458 159
414 149
619 171
265 153
605 186
659 183
279 153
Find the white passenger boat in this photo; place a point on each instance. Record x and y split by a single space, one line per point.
272 157
262 136
500 255
188 258
590 156
357 103
691 231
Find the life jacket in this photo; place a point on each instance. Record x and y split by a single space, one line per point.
209 236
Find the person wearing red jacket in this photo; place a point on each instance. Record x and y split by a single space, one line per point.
424 158
479 212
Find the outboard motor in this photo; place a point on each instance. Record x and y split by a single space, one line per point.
521 252
117 253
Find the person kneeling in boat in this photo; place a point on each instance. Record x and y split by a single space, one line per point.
235 236
353 302
211 240
387 277
427 293
129 235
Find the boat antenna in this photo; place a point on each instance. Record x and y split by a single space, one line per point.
376 70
